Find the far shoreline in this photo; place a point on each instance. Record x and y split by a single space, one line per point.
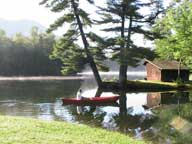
40 78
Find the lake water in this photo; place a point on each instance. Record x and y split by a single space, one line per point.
158 117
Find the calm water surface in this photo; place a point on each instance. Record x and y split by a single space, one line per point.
163 117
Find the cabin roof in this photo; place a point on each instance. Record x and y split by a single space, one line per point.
165 64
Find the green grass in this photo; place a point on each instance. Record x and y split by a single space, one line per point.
14 130
148 86
157 85
173 84
147 82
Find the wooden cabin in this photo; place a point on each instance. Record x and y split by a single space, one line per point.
166 71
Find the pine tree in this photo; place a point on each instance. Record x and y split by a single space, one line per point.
78 19
124 19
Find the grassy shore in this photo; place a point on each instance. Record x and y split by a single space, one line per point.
14 130
148 86
159 85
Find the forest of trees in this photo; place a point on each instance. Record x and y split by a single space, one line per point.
27 56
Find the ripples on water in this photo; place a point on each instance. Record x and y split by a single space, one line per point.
151 116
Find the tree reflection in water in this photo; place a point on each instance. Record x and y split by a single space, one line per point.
174 124
120 118
153 124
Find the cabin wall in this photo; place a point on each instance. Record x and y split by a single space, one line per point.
153 73
169 75
172 75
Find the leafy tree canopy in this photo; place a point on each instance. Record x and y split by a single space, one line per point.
176 31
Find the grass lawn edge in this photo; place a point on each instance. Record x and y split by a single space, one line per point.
18 130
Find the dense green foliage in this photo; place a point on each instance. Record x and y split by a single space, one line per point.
175 28
29 131
22 55
71 56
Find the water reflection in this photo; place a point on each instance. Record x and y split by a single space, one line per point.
140 115
129 118
156 99
159 117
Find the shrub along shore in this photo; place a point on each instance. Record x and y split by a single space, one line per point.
16 130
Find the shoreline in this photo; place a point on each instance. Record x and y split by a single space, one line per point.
147 86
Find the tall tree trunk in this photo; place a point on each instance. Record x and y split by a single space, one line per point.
122 74
124 51
86 46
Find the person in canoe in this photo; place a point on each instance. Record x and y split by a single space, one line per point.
79 94
80 109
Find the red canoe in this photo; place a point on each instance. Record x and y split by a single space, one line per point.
92 100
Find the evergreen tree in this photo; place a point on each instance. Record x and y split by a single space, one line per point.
125 19
67 49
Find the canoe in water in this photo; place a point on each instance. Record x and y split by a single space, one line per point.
92 100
